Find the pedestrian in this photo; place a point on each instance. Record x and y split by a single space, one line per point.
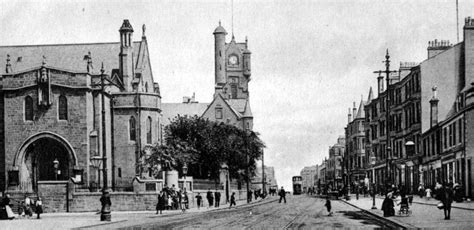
198 200
446 194
428 193
388 206
161 205
185 201
27 207
421 190
8 210
210 198
249 196
357 192
282 194
255 193
217 196
39 208
232 200
328 206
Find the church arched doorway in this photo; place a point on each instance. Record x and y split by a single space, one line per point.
45 157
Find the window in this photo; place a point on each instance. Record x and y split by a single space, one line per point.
119 172
148 130
133 135
28 108
218 113
460 130
233 90
62 107
146 87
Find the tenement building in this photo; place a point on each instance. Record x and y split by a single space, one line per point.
334 164
394 115
307 174
354 158
429 120
64 105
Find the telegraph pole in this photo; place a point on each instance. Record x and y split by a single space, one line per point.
387 72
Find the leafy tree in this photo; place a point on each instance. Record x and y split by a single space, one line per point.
204 146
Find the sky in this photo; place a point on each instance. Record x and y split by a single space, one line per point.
310 59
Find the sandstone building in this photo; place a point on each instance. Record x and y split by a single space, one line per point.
53 120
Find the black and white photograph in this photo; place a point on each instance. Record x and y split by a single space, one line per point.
236 114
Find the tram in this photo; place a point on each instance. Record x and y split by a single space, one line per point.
297 181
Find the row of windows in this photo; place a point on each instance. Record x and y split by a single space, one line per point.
29 108
148 126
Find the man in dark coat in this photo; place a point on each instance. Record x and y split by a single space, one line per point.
447 199
210 198
282 194
217 196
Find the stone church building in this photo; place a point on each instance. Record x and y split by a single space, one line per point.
55 115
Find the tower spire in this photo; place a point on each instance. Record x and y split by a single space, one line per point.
232 5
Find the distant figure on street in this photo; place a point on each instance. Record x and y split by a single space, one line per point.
210 198
161 205
388 206
39 208
198 200
282 194
428 193
446 194
8 210
185 204
249 196
328 206
217 196
421 190
232 200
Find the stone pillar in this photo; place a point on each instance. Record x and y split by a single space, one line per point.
171 178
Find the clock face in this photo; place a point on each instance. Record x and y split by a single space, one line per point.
233 60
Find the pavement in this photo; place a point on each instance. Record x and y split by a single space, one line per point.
424 214
79 220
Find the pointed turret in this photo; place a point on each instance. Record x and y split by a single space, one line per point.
219 54
371 95
126 54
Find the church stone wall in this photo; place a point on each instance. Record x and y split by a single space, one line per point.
74 130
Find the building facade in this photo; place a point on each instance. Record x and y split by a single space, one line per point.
334 164
354 157
57 116
307 174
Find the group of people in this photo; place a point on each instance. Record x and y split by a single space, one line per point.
445 193
172 199
256 193
25 208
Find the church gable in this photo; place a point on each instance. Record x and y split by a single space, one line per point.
143 71
220 111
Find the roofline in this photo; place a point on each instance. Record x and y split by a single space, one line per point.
65 44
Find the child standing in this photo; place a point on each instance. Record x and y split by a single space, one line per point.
328 206
39 208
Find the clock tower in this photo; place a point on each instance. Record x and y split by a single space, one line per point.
232 66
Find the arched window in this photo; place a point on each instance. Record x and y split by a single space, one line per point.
62 107
148 130
146 87
132 127
28 108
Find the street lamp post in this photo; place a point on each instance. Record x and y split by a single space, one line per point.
372 162
105 199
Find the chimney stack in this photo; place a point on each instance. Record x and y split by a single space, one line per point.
468 32
434 108
435 47
349 119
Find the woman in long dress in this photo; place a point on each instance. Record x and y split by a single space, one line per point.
161 205
388 206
